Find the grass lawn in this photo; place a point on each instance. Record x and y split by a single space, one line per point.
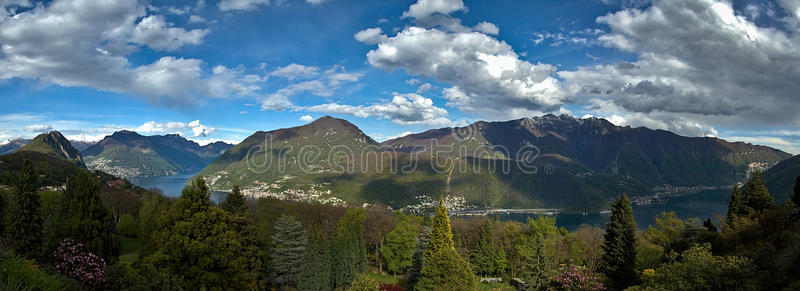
496 286
130 249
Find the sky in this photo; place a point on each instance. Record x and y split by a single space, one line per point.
221 70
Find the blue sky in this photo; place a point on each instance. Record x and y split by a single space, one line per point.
222 70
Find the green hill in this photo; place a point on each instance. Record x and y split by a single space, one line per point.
56 145
780 178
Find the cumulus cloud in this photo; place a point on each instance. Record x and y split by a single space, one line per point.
487 28
497 78
739 73
402 109
426 8
293 71
306 118
153 127
370 36
38 128
229 5
94 40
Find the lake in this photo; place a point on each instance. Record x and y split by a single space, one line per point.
704 204
172 185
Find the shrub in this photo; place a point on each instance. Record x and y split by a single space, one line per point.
576 278
72 260
19 274
364 282
128 226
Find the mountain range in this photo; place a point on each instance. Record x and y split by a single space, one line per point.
572 163
129 154
781 178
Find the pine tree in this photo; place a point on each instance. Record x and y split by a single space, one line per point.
488 258
315 272
25 229
234 203
348 249
398 250
619 258
534 261
735 204
796 196
288 248
756 195
418 260
444 269
84 218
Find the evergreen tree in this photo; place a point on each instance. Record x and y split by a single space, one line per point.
398 250
534 261
348 249
735 203
418 260
25 220
288 248
796 196
204 245
234 203
488 258
315 271
84 218
364 283
619 258
443 268
756 195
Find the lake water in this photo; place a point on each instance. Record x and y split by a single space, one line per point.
704 204
173 185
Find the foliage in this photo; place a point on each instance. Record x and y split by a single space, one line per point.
72 259
576 278
18 274
735 203
122 276
288 247
154 206
418 260
534 261
398 250
83 218
796 191
25 221
488 257
363 282
698 269
755 193
204 245
620 245
234 203
348 249
315 271
128 225
667 229
443 268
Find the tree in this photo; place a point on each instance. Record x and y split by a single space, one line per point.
796 196
418 260
756 195
620 245
234 203
315 271
735 204
380 222
667 229
488 258
364 283
288 248
154 207
348 249
25 220
534 261
128 225
443 268
698 269
85 219
398 250
204 245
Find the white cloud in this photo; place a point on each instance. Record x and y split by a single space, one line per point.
229 5
370 36
38 128
156 33
197 19
293 71
426 8
324 86
498 79
153 127
402 109
306 118
487 28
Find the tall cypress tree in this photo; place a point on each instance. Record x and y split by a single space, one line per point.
84 218
288 248
444 269
756 195
796 196
348 249
25 229
735 204
234 203
620 245
315 271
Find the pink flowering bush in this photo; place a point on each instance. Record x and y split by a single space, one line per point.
576 278
72 259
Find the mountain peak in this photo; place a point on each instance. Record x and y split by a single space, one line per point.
55 144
